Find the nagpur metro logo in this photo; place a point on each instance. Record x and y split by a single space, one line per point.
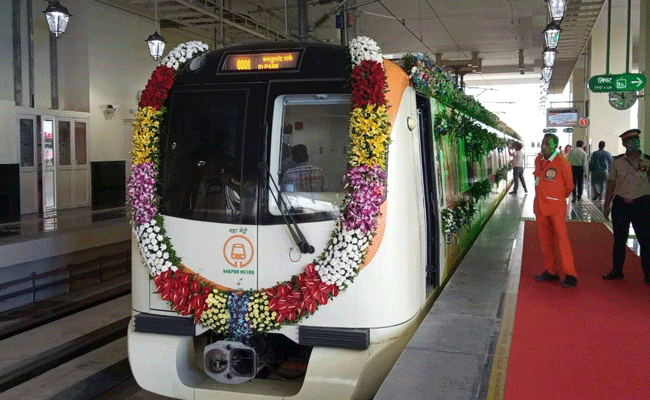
238 251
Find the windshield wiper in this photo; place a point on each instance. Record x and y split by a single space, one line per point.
295 231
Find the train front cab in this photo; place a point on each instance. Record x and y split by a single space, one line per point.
205 210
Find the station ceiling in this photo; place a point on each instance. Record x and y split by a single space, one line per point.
488 41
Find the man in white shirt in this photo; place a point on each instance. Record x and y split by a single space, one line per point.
518 169
578 159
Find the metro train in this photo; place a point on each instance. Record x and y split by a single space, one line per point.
264 272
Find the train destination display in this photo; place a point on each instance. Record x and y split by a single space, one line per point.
261 61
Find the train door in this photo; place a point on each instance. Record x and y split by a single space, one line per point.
430 191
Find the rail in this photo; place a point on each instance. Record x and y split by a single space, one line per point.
95 270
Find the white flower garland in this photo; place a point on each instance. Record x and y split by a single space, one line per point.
364 48
182 53
153 249
342 257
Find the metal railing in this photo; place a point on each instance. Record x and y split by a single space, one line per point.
90 272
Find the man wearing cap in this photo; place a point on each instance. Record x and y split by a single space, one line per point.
628 190
553 184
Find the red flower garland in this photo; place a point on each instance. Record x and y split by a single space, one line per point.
184 291
158 86
302 294
368 82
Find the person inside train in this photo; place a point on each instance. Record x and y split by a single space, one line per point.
628 189
287 160
553 184
304 177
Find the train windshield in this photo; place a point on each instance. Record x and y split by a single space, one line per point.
201 163
309 150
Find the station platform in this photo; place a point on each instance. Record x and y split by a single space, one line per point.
478 341
36 251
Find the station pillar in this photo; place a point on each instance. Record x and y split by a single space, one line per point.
644 68
607 123
579 94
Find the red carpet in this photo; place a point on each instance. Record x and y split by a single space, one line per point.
591 342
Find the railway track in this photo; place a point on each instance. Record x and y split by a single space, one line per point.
50 344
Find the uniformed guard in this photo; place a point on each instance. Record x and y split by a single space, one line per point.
553 184
629 187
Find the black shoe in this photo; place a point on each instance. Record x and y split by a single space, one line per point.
525 190
570 281
573 200
513 192
613 274
594 198
547 277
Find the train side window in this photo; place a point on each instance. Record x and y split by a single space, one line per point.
309 151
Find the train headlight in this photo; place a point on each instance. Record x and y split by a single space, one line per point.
216 361
230 362
411 123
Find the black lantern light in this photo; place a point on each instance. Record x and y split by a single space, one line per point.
156 45
552 35
57 17
156 42
556 9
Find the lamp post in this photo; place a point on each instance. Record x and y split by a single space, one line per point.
155 41
549 56
556 9
57 17
156 45
552 35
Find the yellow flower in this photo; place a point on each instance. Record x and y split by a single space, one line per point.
145 135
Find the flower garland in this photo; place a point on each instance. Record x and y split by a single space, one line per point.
462 215
430 79
240 314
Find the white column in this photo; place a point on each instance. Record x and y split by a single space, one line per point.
578 93
644 68
606 123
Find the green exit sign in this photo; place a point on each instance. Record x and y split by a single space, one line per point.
616 83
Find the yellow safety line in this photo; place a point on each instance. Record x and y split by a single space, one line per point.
499 371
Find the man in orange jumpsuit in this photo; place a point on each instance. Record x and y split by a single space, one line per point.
553 184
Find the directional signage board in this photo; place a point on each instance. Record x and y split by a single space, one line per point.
617 83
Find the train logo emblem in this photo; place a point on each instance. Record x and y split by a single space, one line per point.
238 251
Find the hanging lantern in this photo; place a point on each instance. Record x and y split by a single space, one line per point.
549 57
556 9
156 45
552 35
57 17
546 73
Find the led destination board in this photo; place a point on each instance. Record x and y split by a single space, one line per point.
261 61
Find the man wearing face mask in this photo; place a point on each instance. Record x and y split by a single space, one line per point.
628 189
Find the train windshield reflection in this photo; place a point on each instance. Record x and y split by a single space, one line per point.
202 156
310 143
